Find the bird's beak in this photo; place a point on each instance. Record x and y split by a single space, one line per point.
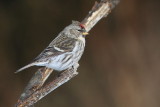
85 33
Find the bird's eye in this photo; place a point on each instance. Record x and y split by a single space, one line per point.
80 30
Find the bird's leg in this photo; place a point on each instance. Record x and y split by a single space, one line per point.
75 66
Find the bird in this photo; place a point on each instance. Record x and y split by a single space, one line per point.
64 51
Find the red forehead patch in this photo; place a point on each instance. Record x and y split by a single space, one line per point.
82 26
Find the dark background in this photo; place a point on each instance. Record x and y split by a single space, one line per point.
121 63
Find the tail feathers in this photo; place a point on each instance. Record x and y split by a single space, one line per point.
27 66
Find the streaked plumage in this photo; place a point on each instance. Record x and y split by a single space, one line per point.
64 51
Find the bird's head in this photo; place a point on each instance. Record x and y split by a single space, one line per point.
76 29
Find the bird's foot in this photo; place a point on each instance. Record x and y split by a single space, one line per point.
75 66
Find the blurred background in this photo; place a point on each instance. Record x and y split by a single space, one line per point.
121 63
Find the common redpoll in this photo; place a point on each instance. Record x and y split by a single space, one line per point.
64 51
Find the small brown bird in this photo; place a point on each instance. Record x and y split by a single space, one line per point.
64 51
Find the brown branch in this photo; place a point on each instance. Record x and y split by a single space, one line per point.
98 11
34 91
41 92
36 82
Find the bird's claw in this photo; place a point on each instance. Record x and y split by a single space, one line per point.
75 66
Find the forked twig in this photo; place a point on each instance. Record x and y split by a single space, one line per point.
35 91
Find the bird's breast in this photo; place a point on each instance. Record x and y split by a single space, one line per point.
81 38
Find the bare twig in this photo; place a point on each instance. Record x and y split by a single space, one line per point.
36 82
41 92
34 91
98 11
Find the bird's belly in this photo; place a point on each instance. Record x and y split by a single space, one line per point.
61 62
66 60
